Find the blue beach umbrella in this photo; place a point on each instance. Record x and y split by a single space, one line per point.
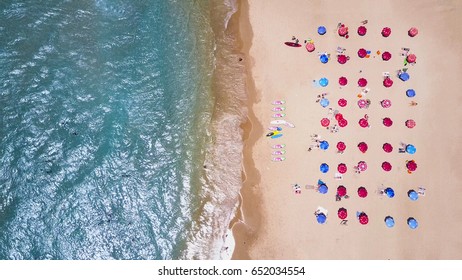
322 30
323 189
411 149
390 192
323 82
389 221
410 93
324 58
324 102
412 223
404 76
324 168
413 195
324 145
321 218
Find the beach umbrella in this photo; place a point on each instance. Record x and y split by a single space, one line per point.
324 102
387 82
363 122
362 30
324 145
325 122
321 218
411 149
413 32
386 103
310 47
323 82
341 146
338 116
341 191
342 168
389 221
322 30
362 82
342 59
343 81
390 192
362 147
343 30
412 223
411 165
362 53
410 123
413 195
362 166
363 218
323 189
342 102
324 58
362 192
404 76
386 166
387 147
342 122
387 122
386 56
324 168
410 93
411 58
342 213
362 103
386 31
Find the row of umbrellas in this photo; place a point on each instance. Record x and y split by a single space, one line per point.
363 218
363 122
387 147
342 168
362 31
362 53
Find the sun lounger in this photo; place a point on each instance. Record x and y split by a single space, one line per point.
338 176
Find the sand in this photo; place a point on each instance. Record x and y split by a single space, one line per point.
275 223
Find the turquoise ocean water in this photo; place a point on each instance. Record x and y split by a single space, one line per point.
119 128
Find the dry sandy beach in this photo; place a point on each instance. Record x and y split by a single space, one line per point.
276 223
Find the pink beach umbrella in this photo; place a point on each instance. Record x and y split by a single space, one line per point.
342 102
362 166
342 168
342 213
342 59
362 53
387 122
343 81
342 122
343 30
386 103
325 122
411 165
362 192
338 116
362 103
386 31
386 166
363 219
387 82
362 30
413 32
411 58
310 47
410 123
341 146
363 122
362 82
362 147
387 147
386 56
341 191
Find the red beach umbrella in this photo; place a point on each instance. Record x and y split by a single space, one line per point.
342 102
325 122
362 166
362 103
310 47
338 116
362 147
362 82
342 168
342 213
362 192
343 81
386 56
411 165
413 32
363 122
387 147
343 30
341 191
362 53
341 146
386 31
386 103
342 122
342 59
387 82
363 219
386 166
411 58
362 30
387 122
410 123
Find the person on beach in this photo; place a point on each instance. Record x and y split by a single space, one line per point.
364 21
413 103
